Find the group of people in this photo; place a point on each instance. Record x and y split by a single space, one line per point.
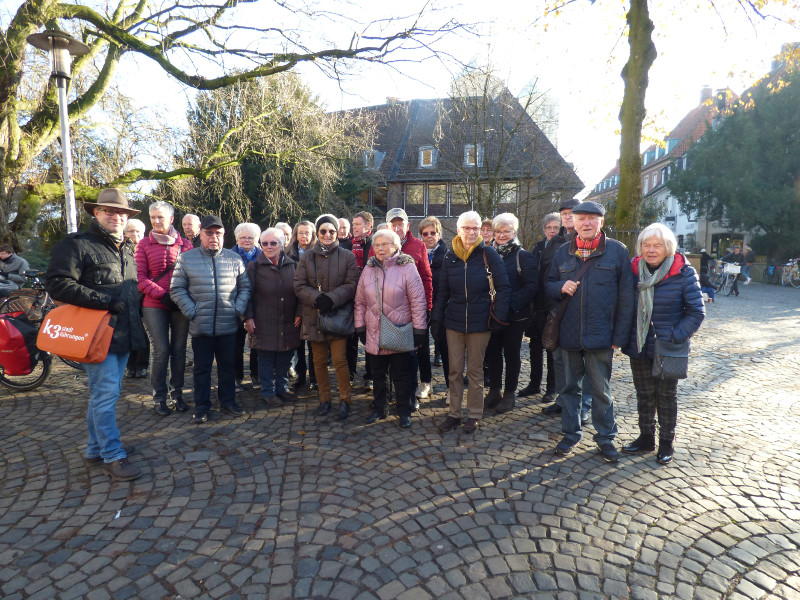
305 297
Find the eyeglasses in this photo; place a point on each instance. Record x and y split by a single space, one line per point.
269 243
213 233
382 245
111 212
504 233
429 234
327 232
471 229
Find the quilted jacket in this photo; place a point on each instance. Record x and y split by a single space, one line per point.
678 308
417 250
523 277
212 289
600 313
273 304
151 260
463 301
402 297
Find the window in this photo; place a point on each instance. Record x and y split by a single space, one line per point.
415 199
427 156
473 155
646 187
437 200
378 197
508 194
459 198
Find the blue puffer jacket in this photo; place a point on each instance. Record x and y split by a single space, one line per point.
523 277
678 308
462 302
600 314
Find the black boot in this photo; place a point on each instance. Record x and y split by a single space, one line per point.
665 451
324 409
344 411
162 409
507 403
492 399
529 390
376 415
646 442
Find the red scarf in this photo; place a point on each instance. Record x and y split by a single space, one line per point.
585 249
358 251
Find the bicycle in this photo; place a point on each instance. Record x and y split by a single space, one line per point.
791 273
715 275
34 302
730 271
772 272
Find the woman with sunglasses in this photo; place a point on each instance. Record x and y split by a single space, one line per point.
273 317
326 279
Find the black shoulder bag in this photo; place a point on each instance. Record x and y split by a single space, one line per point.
337 322
552 326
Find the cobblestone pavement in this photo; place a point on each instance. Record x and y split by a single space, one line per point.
283 504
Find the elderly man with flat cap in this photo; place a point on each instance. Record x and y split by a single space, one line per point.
592 273
96 269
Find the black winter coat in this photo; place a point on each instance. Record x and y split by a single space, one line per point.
523 277
463 302
437 260
88 269
678 308
273 304
600 313
543 253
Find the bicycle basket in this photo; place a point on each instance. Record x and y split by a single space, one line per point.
732 269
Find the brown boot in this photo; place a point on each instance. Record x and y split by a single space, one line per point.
507 403
120 470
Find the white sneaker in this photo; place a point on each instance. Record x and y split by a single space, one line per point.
423 390
747 281
292 373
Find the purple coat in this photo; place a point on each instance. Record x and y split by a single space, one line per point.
402 294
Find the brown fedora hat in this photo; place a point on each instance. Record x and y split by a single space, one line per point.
111 198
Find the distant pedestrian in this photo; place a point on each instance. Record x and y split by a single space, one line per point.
737 258
12 267
669 305
191 229
750 258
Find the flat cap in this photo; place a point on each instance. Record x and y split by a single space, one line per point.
589 208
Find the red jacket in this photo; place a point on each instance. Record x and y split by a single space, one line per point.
416 249
151 260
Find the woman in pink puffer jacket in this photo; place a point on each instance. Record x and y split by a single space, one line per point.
402 297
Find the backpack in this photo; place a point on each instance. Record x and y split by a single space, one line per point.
18 352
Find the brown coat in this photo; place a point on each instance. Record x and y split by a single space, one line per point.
273 304
334 273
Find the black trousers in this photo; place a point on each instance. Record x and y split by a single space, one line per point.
655 397
303 365
536 354
441 347
399 365
506 345
241 339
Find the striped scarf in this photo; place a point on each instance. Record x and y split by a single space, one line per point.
647 282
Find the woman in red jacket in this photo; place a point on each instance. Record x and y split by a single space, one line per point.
167 327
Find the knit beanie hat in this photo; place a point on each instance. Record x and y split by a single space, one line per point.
327 218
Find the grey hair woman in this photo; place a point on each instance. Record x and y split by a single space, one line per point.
669 305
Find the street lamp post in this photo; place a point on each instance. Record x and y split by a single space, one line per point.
62 48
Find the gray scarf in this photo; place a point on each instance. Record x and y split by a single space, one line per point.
646 292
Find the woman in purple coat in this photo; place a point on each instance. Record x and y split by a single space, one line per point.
394 276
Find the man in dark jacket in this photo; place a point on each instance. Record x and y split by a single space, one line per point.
597 319
95 269
12 267
736 257
211 288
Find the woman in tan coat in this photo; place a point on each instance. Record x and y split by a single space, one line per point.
326 280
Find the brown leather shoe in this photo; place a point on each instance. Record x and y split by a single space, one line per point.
120 470
470 425
96 461
449 424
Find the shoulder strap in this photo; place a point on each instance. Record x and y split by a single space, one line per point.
562 306
165 271
489 276
519 269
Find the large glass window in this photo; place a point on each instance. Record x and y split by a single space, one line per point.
427 156
437 200
379 197
508 196
459 199
415 200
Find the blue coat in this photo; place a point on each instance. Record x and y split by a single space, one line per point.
463 302
600 313
678 308
524 283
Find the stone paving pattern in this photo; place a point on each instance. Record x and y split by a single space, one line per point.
283 504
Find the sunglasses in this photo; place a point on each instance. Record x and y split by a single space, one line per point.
327 232
269 243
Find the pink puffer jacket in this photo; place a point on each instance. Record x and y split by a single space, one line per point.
151 260
402 293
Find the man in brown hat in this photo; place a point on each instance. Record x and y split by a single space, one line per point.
95 269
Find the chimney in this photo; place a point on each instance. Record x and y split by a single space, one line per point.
705 94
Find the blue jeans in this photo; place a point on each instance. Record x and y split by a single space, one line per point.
206 348
594 369
558 367
746 271
105 382
273 371
168 331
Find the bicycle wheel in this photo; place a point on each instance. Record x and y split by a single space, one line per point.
794 277
72 363
25 300
23 383
727 285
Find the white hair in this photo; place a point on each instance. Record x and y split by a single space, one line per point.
135 223
507 219
194 218
251 228
469 216
663 233
161 205
276 232
387 233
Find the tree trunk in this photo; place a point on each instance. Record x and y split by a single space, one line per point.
631 115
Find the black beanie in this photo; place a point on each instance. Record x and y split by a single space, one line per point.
326 219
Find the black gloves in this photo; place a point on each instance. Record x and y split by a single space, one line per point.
362 335
168 302
419 339
116 305
323 303
436 328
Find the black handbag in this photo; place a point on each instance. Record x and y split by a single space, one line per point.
337 322
552 326
670 360
495 324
